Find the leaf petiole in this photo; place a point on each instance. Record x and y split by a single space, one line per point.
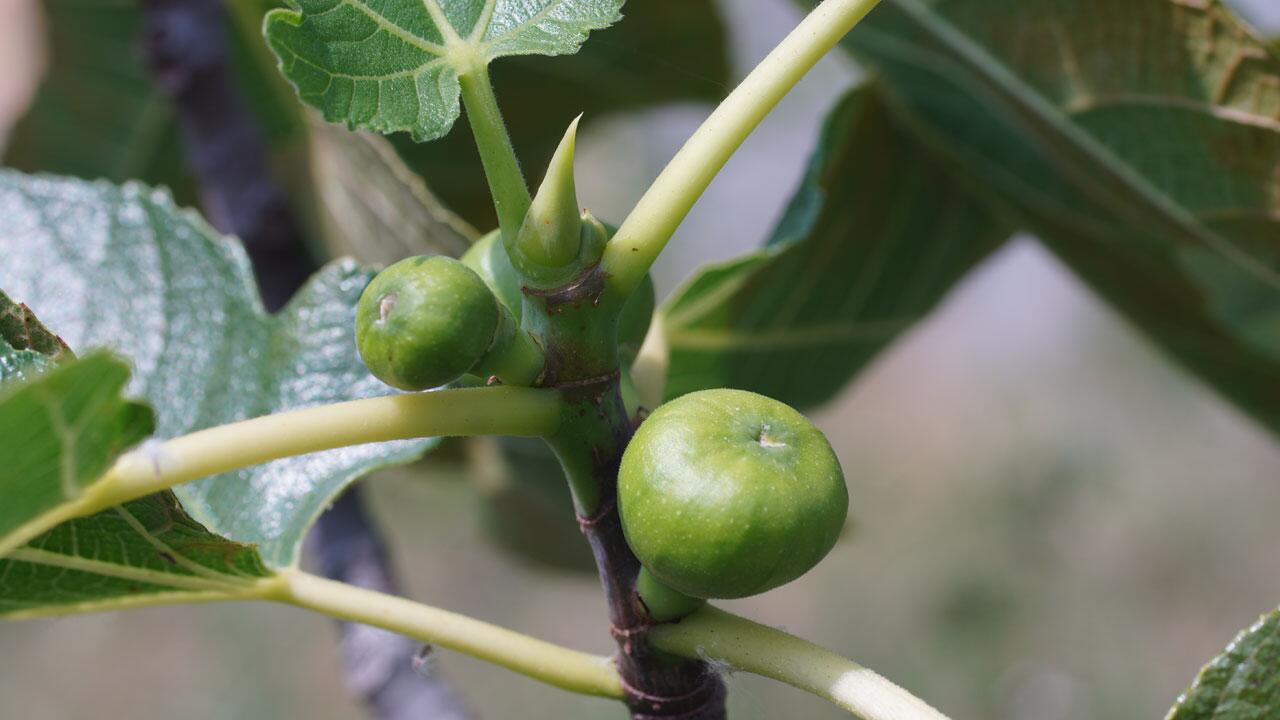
511 197
498 410
665 204
711 633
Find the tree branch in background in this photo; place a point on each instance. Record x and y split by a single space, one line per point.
184 44
379 665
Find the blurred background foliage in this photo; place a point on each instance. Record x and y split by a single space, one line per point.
1052 521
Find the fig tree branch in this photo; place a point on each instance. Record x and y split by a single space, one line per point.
184 45
378 665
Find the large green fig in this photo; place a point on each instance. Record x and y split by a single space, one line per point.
726 494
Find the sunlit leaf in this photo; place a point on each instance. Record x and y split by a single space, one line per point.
393 65
123 268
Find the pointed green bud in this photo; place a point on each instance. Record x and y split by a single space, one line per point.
551 234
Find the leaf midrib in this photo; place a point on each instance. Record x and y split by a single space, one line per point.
34 556
941 30
774 339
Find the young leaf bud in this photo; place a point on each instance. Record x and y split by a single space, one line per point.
551 236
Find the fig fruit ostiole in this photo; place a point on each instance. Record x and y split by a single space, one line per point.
428 320
726 494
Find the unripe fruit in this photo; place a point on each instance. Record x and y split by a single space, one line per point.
726 494
425 321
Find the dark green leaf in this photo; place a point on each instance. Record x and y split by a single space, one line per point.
27 347
879 231
145 552
122 268
60 430
1243 683
393 65
661 52
1141 142
58 434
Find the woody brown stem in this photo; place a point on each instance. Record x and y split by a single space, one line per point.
594 433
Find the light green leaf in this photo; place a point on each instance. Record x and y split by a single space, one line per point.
392 65
1140 141
123 268
374 207
1243 683
60 430
879 231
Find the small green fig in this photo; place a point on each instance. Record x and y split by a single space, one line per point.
425 321
726 494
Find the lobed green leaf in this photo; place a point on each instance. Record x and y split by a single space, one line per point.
1139 140
59 431
393 65
144 552
123 268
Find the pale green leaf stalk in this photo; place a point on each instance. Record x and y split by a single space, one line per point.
156 467
713 634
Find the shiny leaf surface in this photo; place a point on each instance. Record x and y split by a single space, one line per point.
1139 140
123 268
